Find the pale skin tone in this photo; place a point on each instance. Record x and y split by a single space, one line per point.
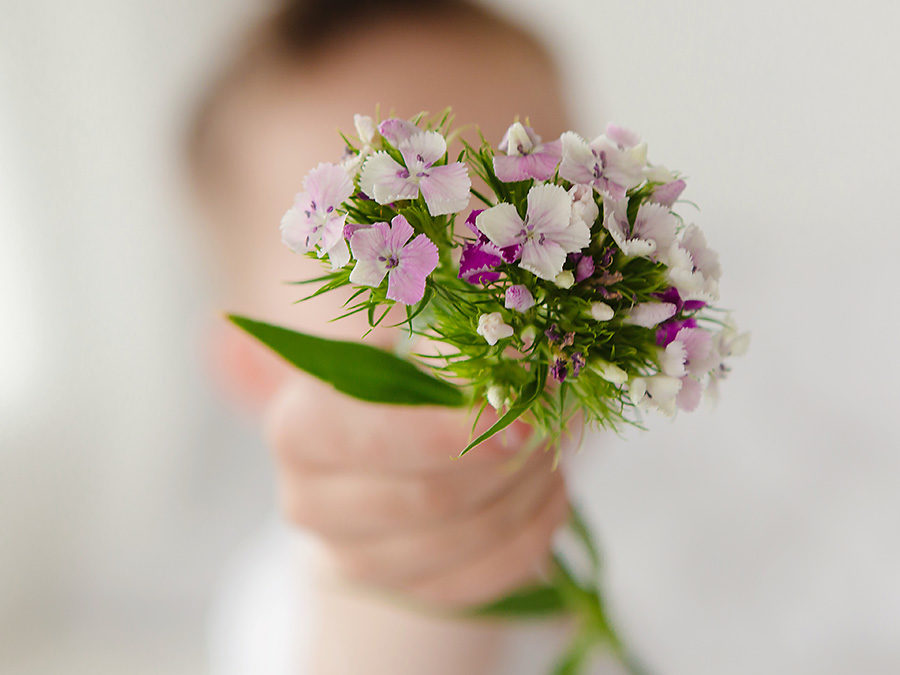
402 521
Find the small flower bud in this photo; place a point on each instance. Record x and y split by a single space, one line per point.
496 396
609 372
565 279
492 327
600 311
519 298
527 336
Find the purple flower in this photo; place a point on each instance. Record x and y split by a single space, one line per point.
481 257
383 250
672 295
578 363
584 266
314 221
552 333
526 157
478 262
668 193
559 369
606 163
667 331
546 234
445 188
519 298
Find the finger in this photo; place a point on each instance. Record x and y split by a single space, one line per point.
405 557
310 422
514 561
341 505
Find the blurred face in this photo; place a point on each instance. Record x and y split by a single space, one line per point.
278 127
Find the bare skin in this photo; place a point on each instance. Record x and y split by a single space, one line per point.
380 485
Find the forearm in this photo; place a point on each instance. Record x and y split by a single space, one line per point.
362 631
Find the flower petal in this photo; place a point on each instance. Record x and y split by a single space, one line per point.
577 159
368 246
501 224
512 168
549 208
649 314
624 138
385 180
689 395
333 230
296 231
328 185
339 254
519 298
365 128
667 194
423 147
446 188
418 259
543 260
396 130
400 233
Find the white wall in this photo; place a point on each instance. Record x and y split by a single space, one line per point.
762 538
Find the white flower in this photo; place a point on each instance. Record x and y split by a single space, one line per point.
492 328
652 234
649 314
656 391
565 279
600 311
365 130
609 372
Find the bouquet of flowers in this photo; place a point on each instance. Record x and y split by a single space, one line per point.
574 291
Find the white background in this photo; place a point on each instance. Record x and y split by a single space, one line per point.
762 538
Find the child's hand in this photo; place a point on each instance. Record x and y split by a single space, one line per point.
384 489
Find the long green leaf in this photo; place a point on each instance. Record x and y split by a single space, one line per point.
356 369
534 601
529 394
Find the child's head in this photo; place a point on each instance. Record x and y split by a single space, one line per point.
299 77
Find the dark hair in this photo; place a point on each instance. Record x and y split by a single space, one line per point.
302 25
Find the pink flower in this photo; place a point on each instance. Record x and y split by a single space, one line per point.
445 188
689 357
314 220
611 164
546 234
397 130
667 193
519 298
383 250
526 157
694 267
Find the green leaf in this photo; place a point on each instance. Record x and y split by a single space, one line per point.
529 395
356 369
534 601
582 531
